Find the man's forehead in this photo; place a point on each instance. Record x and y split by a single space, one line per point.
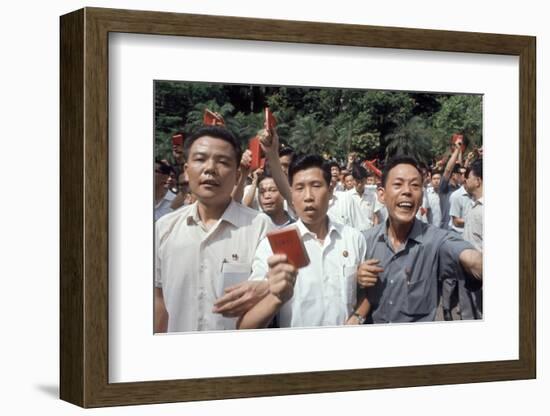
404 170
267 182
309 174
206 144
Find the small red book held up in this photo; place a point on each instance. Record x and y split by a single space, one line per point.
288 241
269 119
210 118
258 159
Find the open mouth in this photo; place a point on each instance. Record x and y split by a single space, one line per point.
210 182
408 206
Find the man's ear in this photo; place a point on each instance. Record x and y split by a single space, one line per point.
382 195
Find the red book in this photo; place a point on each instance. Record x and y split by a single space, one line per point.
258 159
177 139
288 241
458 138
369 164
212 119
270 121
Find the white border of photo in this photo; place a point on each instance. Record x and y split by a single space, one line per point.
135 354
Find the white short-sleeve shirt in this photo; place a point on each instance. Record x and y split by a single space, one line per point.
343 208
191 262
473 225
435 207
366 205
460 203
164 205
325 292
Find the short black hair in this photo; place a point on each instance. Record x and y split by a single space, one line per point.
309 161
477 168
217 132
332 163
456 168
399 160
286 151
164 167
358 172
265 175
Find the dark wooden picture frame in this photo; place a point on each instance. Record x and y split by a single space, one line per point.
84 207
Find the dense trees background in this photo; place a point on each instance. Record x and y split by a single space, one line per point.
333 122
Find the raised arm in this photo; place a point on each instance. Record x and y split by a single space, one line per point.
269 140
244 170
451 162
248 198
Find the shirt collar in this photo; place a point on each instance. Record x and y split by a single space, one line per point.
332 227
416 233
230 215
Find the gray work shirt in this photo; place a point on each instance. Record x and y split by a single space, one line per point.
445 191
406 290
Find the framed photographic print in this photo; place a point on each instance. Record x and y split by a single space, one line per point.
124 74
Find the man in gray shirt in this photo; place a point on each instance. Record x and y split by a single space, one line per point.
452 179
407 255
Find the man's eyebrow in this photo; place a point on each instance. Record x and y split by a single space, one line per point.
400 178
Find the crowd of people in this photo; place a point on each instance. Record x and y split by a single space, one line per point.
403 244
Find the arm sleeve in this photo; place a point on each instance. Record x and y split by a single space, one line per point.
449 252
259 264
454 203
444 186
158 265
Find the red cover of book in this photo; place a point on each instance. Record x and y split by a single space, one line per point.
258 159
177 139
288 241
212 119
270 121
458 138
369 164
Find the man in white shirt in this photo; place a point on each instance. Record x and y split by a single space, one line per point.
434 205
460 203
473 223
345 209
203 250
325 291
473 226
335 173
163 195
272 202
366 197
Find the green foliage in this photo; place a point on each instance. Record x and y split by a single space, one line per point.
374 124
459 113
412 139
366 145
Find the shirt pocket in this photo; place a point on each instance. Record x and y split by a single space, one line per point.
234 273
419 298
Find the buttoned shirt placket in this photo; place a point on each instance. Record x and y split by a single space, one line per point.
396 278
205 277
